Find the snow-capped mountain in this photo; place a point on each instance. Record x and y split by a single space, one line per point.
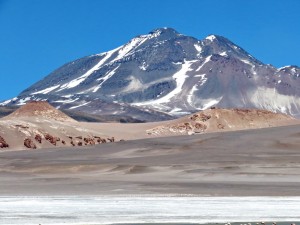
165 73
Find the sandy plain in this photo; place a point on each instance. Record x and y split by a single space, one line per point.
257 162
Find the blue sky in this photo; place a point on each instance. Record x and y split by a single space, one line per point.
38 36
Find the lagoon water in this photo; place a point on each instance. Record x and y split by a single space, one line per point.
146 209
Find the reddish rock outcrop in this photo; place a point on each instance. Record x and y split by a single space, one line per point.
89 141
202 117
28 143
3 143
194 117
38 138
200 126
101 140
51 139
112 139
182 127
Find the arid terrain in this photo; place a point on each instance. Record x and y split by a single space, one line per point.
39 125
220 152
240 163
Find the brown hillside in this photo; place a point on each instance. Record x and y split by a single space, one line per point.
215 120
40 109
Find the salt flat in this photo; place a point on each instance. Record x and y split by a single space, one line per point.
111 209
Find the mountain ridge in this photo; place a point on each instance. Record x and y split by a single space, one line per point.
168 74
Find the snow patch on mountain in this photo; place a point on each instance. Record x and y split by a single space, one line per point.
202 80
206 60
143 66
8 101
65 101
46 90
207 103
180 78
77 106
175 110
67 96
284 67
247 62
191 95
134 43
211 37
252 66
23 101
272 100
135 84
178 112
223 53
198 48
105 78
153 34
80 79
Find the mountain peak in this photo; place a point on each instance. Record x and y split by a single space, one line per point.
218 38
169 72
211 37
166 32
223 46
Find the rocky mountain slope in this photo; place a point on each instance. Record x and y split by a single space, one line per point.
164 74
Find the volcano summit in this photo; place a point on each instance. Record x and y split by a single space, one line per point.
164 74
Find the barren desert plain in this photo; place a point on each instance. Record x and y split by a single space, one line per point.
242 165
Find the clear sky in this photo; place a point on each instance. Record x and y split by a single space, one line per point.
38 36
